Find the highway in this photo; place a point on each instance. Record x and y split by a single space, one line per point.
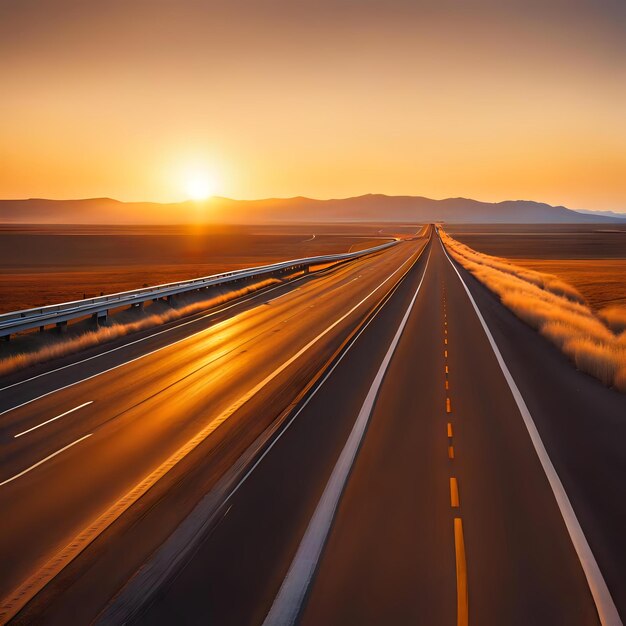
363 451
77 441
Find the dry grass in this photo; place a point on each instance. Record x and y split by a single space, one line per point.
557 310
108 333
601 360
615 317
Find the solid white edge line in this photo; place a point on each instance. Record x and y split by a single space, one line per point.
288 602
282 295
52 419
607 611
50 456
148 574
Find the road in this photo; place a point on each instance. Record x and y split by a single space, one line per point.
78 440
403 484
392 551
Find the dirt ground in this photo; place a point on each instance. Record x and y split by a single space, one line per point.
601 281
550 241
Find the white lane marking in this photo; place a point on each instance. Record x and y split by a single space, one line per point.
312 395
282 295
32 585
607 610
50 456
287 604
52 419
149 578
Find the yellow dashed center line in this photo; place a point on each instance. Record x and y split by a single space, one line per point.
459 541
462 600
454 493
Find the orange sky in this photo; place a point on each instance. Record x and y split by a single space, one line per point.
489 99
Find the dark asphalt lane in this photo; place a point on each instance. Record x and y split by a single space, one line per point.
237 570
583 426
392 553
145 410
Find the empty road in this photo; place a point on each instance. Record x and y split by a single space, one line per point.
83 442
346 449
446 514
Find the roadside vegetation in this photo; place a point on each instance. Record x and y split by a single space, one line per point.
596 343
113 331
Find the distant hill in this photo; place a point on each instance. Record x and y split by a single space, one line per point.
368 208
615 214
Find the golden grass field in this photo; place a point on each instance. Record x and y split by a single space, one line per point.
594 340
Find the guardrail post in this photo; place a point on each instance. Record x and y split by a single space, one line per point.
62 327
99 317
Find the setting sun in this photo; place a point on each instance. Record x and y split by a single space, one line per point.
355 270
199 186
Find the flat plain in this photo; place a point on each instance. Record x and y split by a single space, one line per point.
590 257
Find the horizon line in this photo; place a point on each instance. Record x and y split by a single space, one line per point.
300 197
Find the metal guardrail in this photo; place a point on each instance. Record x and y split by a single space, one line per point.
99 306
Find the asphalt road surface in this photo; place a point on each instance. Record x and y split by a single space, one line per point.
78 440
387 465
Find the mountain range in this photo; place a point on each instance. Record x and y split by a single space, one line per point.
367 208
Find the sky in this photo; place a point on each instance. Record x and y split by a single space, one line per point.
151 100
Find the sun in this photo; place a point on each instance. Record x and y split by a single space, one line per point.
199 186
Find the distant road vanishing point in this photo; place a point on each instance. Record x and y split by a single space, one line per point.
378 442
